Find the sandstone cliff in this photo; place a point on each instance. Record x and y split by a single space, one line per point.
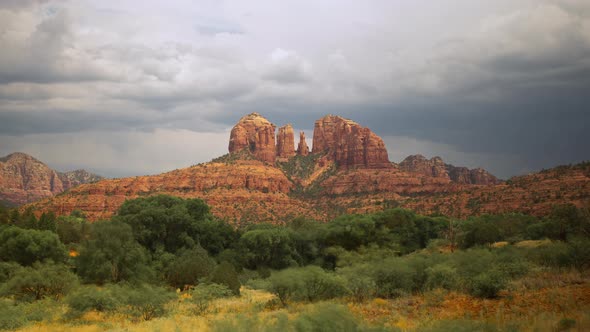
24 179
285 142
255 133
348 144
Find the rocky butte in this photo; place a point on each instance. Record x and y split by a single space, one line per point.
257 135
349 144
285 142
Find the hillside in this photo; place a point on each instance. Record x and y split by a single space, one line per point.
263 178
24 179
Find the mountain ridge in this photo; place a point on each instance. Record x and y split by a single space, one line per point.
257 181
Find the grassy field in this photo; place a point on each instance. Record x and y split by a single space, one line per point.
542 301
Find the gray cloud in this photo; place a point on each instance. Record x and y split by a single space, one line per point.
501 85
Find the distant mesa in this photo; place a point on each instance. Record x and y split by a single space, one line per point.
24 179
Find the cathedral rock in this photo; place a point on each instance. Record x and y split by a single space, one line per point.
255 133
349 144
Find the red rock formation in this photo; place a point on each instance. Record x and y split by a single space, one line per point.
434 167
437 168
285 142
255 133
349 144
465 175
302 148
24 179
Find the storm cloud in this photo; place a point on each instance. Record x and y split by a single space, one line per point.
502 85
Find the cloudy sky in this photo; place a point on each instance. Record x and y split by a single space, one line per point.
125 87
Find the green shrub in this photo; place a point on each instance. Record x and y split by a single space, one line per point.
7 270
327 317
488 284
40 281
359 282
393 278
284 284
225 274
27 246
441 276
91 298
317 284
203 294
11 316
143 301
189 267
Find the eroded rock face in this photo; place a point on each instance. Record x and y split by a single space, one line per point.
255 133
437 168
465 175
434 167
302 148
349 144
24 179
285 142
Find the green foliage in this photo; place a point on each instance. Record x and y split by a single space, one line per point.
174 223
203 294
7 270
441 276
310 283
143 301
393 278
488 284
29 246
359 282
225 274
89 298
72 229
327 317
40 281
47 221
284 284
350 231
11 316
189 267
479 232
111 254
273 248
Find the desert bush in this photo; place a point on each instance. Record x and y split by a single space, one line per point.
441 276
359 282
189 267
89 298
317 284
7 270
40 281
393 278
11 316
488 284
203 294
27 246
326 317
111 254
225 274
284 284
142 301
